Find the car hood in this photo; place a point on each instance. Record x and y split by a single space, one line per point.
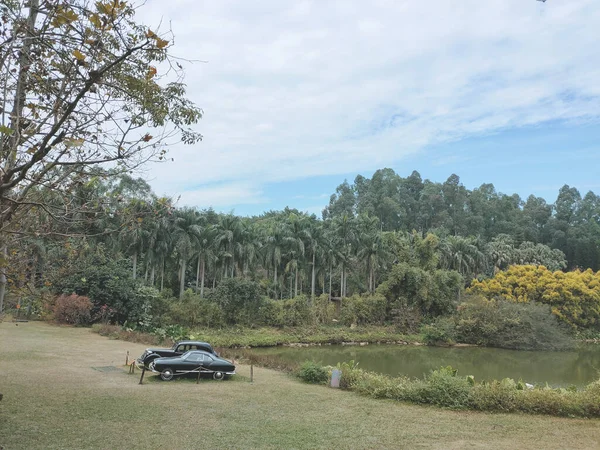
154 350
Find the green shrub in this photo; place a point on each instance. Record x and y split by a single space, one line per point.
443 387
239 299
192 311
504 324
441 331
311 372
364 310
105 281
324 309
494 396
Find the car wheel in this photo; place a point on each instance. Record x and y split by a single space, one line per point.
167 374
218 376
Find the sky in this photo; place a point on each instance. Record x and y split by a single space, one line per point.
300 95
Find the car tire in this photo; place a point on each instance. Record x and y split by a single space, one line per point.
167 374
218 376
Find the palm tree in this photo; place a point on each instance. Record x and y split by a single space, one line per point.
297 226
343 229
186 230
228 235
369 246
462 255
135 234
274 246
204 251
315 240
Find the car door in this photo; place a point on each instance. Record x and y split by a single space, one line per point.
181 349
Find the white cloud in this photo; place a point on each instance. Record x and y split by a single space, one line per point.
220 196
296 89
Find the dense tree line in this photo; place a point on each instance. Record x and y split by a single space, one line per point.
352 250
571 224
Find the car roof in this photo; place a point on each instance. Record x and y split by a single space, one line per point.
198 351
195 342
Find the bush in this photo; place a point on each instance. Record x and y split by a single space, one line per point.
432 292
364 310
442 331
504 324
324 309
239 299
106 281
574 296
445 388
311 372
193 311
73 309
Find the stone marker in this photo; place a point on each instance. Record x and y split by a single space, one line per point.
336 375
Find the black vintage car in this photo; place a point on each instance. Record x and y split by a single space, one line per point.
192 362
150 354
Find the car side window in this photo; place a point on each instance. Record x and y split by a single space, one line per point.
197 357
181 348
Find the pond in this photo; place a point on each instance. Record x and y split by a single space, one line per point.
555 368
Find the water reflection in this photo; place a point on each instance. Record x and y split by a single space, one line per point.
555 368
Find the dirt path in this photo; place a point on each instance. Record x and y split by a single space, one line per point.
54 399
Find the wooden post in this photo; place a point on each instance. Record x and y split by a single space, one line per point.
198 379
251 373
127 358
142 377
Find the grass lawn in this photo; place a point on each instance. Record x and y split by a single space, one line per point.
54 399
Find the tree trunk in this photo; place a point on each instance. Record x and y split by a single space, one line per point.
146 273
134 265
4 253
330 278
296 284
214 281
343 273
182 281
312 285
152 271
162 275
275 282
291 281
202 281
197 274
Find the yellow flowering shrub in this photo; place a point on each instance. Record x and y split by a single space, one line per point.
574 297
